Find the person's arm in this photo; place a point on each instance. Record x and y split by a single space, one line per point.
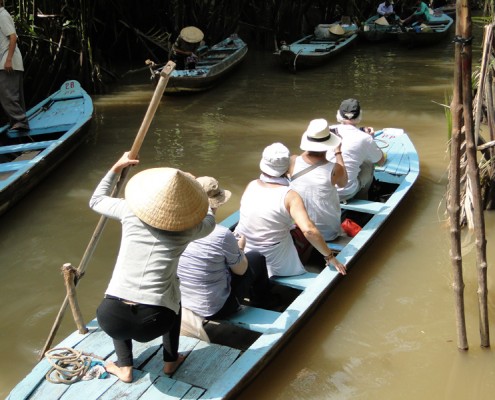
10 53
339 171
297 210
241 267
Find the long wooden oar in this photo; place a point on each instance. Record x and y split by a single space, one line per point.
138 141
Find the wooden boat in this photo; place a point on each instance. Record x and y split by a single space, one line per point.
214 64
56 128
431 32
318 48
449 9
238 348
373 30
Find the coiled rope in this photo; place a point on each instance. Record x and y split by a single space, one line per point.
68 365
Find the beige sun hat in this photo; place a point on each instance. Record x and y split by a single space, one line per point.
191 34
167 199
336 29
318 137
216 195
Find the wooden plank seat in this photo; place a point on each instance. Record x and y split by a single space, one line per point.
364 206
299 282
14 134
19 148
252 318
13 166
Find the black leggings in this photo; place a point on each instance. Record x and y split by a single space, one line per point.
124 323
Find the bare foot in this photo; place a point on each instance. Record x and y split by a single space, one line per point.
123 373
171 366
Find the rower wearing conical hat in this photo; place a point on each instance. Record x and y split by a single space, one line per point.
185 47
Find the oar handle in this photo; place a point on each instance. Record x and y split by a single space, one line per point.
155 101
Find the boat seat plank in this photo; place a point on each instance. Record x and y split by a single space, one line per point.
364 206
15 134
299 282
252 318
206 363
13 165
16 148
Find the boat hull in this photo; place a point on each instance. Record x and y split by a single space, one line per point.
58 125
372 32
437 29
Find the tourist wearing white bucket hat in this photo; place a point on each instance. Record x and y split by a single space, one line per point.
315 178
163 211
268 211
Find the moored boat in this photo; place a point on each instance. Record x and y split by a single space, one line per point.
56 128
379 29
221 367
322 46
214 64
426 33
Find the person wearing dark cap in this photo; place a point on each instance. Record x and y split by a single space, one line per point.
315 178
359 151
163 211
215 274
268 211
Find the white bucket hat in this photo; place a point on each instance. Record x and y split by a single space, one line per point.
318 137
216 195
275 160
167 199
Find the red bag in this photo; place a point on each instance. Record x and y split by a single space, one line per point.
350 227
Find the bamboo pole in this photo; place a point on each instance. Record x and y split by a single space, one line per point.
155 101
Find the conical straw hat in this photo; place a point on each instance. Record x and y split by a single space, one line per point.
191 34
336 30
382 21
167 199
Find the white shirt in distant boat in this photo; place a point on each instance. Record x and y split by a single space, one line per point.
357 148
7 28
266 223
320 197
384 10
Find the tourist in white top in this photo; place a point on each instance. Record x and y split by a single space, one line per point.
314 178
269 208
359 151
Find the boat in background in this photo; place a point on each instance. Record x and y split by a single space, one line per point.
426 33
214 64
57 125
379 29
327 41
236 349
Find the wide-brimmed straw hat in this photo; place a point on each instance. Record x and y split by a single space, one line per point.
167 199
275 160
191 34
382 21
216 195
318 137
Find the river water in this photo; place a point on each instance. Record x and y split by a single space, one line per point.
387 331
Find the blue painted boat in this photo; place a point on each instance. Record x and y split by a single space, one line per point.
56 128
215 63
427 33
317 49
240 347
374 30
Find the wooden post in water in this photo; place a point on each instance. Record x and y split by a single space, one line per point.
155 101
453 198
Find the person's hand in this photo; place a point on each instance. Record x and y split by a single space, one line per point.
369 130
241 240
336 263
8 66
124 162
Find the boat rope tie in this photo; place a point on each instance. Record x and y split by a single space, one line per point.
70 366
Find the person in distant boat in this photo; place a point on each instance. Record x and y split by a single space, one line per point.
359 151
315 178
163 211
422 14
185 47
215 274
269 208
11 73
386 9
